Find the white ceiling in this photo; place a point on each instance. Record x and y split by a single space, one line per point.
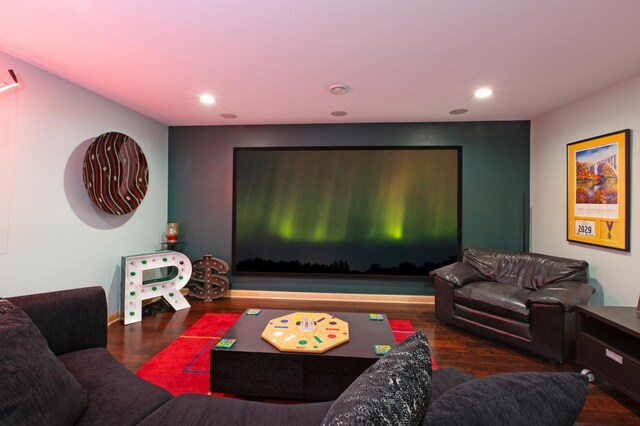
271 61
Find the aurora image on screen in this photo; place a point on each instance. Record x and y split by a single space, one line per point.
346 211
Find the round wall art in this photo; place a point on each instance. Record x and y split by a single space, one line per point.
115 173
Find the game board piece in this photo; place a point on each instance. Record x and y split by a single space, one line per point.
225 343
381 349
376 317
253 311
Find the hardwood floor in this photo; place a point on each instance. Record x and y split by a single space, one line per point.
135 344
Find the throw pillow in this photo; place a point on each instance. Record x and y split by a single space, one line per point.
393 391
512 399
5 306
36 387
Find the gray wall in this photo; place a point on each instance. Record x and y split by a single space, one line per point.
57 238
614 273
495 175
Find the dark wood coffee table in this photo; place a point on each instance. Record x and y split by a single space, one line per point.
254 368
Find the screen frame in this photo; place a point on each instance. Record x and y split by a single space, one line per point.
381 277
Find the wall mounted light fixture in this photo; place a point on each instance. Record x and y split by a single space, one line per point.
10 85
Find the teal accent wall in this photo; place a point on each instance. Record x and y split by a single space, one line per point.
495 177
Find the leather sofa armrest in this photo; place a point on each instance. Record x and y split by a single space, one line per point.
566 293
70 320
458 274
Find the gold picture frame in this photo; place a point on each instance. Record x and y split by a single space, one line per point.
598 190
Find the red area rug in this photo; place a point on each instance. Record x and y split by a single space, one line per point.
183 366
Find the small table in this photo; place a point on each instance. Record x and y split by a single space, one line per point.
254 368
608 343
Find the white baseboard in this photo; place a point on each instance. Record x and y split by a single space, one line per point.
331 297
113 317
323 297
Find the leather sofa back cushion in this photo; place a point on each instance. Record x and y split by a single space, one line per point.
36 387
525 270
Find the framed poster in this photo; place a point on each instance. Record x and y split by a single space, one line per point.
598 190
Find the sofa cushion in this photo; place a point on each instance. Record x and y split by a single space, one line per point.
116 395
69 320
458 274
36 387
444 379
569 294
202 410
393 391
498 299
525 270
512 399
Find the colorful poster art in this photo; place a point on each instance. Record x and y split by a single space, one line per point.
597 194
597 182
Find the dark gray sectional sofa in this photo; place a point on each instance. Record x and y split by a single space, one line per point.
55 370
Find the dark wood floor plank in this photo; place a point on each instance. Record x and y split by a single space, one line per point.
137 343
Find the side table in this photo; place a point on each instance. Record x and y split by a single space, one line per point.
608 343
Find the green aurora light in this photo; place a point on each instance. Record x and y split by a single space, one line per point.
343 203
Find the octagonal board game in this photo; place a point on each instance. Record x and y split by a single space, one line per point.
325 332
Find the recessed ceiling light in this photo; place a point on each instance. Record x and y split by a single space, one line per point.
483 92
339 113
207 99
459 111
228 115
339 89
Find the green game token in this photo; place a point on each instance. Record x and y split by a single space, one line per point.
133 293
170 294
154 288
133 273
302 342
144 262
132 313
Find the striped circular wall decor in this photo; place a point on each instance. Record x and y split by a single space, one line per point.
115 173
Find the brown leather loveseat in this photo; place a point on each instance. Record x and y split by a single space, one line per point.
522 299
